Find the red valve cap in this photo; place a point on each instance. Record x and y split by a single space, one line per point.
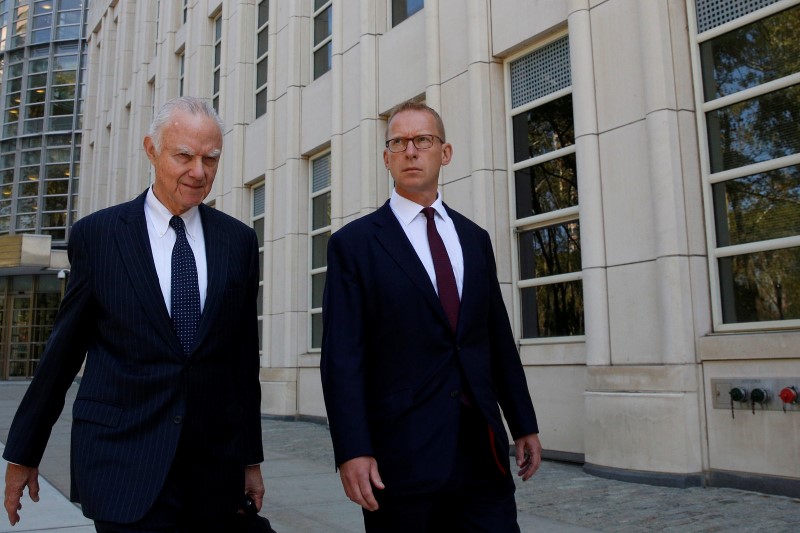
788 395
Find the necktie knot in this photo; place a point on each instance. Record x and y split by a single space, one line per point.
177 224
429 212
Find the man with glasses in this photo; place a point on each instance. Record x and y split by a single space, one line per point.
418 355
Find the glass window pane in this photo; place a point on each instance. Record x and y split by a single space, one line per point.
552 310
258 226
38 65
752 55
760 286
322 60
322 26
263 12
319 250
28 188
321 209
69 62
39 80
543 129
316 330
319 3
317 289
550 251
64 77
261 72
42 21
261 102
758 207
760 129
69 18
57 187
68 32
263 43
546 187
402 9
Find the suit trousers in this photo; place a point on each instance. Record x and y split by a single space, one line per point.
478 497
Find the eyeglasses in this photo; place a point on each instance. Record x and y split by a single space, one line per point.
421 142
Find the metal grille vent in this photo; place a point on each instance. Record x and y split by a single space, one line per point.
713 13
321 168
542 72
258 201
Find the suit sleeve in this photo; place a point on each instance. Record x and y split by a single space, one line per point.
512 388
254 452
59 364
343 359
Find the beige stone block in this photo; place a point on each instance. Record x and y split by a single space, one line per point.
618 70
653 432
557 394
627 195
633 314
516 23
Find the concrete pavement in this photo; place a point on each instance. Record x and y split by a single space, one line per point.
304 494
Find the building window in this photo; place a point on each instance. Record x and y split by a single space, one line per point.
402 9
545 210
41 112
749 91
323 29
262 56
185 11
217 61
320 233
28 306
181 72
257 221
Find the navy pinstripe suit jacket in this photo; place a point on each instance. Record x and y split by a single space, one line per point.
139 395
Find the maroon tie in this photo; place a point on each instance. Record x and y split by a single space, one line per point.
445 279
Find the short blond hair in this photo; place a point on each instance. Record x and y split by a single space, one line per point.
411 105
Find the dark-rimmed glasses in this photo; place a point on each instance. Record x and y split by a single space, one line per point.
421 142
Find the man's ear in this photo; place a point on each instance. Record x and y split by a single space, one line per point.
149 148
447 153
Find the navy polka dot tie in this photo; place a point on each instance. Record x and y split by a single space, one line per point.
445 278
185 288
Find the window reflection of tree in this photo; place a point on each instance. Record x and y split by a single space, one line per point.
763 285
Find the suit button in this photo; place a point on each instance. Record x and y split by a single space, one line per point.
177 419
454 393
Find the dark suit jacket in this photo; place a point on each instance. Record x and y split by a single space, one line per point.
390 361
139 394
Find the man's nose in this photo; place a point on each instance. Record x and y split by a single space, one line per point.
411 149
196 169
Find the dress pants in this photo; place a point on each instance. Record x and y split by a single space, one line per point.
478 498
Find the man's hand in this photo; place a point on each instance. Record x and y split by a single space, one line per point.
17 478
529 455
359 475
253 485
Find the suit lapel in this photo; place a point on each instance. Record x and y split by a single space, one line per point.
472 258
133 243
217 263
394 240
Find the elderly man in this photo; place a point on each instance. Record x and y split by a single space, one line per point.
161 304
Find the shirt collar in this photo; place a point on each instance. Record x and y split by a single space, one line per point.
160 216
406 210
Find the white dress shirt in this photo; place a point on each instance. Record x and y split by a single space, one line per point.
415 225
162 240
